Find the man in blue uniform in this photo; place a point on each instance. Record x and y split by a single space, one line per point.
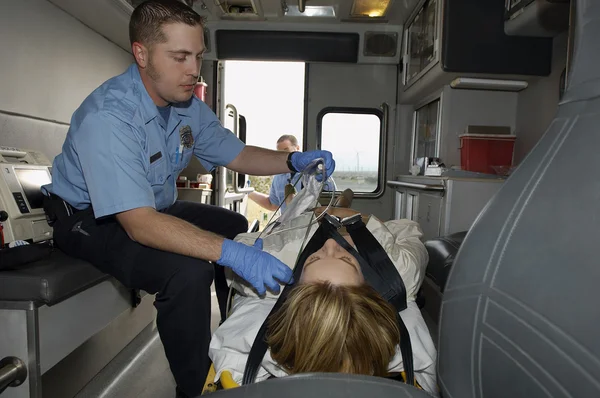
112 200
276 196
282 183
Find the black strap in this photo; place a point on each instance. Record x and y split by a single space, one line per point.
389 282
368 272
406 351
391 285
57 209
291 179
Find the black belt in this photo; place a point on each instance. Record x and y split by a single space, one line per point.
57 209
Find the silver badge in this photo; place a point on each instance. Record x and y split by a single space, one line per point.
186 137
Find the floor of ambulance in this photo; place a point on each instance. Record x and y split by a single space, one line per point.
141 369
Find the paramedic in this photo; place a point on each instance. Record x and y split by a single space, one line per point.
112 200
277 193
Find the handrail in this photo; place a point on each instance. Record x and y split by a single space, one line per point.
235 118
424 187
13 373
236 187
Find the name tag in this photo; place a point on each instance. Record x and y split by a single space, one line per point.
155 157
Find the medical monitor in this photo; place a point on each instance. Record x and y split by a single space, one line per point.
25 185
22 198
31 181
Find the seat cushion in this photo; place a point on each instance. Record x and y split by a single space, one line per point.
442 252
50 280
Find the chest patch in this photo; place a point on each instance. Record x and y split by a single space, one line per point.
185 136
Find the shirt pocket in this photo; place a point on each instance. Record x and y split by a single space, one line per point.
158 173
183 161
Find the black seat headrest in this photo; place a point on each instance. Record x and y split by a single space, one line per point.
442 252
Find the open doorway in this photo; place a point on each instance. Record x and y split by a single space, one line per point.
270 95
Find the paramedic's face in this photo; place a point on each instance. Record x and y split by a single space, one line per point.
286 145
172 67
333 264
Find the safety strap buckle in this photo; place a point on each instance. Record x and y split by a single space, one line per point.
339 222
335 221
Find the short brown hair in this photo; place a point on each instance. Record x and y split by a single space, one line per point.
292 139
147 20
323 327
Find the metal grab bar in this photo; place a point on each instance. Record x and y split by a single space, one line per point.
234 114
13 373
424 187
301 5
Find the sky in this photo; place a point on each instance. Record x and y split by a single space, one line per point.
271 97
353 139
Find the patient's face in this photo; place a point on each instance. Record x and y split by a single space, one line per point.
333 264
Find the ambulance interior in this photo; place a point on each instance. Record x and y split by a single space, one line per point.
458 94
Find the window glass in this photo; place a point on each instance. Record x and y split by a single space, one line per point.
355 141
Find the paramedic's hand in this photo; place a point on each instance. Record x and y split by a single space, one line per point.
301 159
259 268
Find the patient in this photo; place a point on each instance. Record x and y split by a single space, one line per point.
332 321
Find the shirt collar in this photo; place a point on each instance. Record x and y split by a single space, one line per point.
149 110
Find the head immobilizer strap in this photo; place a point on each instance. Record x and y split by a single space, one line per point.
378 270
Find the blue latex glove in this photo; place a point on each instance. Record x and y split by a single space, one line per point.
259 268
302 159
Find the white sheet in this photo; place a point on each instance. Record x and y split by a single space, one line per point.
232 341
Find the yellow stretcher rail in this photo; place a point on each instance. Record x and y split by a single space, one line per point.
226 380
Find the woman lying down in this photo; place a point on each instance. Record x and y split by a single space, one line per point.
332 320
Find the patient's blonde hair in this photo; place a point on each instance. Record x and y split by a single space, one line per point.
323 327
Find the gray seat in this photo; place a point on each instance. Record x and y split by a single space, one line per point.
50 280
328 385
520 314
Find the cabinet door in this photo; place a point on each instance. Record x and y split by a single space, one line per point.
426 131
428 214
400 205
421 41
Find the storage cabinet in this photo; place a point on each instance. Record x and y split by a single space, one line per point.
421 40
426 130
440 119
442 205
444 39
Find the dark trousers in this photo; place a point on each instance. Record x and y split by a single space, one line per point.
181 283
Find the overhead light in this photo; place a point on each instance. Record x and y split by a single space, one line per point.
369 8
488 84
310 11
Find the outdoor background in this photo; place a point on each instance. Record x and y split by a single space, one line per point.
270 95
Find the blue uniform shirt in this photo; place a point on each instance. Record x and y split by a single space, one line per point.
277 190
120 154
